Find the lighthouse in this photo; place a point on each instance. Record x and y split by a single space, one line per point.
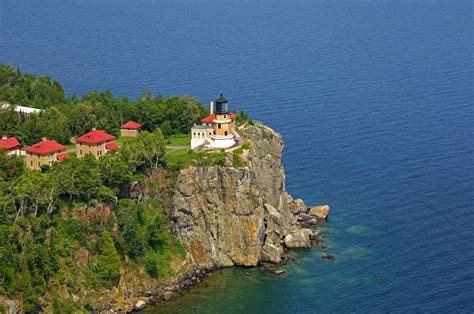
216 130
222 136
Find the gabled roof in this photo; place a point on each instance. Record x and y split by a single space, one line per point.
45 147
95 136
131 125
9 142
62 156
210 118
112 146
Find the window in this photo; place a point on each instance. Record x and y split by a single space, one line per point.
31 163
225 133
219 125
225 116
39 165
214 132
80 152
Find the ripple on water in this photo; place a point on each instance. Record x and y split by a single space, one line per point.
358 229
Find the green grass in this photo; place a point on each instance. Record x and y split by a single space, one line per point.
71 146
184 157
179 140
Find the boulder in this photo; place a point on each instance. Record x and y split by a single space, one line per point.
169 295
140 305
304 217
313 221
299 239
298 207
286 259
272 253
320 211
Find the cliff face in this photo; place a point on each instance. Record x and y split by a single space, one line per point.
240 216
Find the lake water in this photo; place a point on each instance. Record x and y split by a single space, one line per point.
375 100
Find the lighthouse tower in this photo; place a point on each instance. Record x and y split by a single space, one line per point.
222 136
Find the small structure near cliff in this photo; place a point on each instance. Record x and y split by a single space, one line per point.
216 132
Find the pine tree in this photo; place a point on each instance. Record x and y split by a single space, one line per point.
109 260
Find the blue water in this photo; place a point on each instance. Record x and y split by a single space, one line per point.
374 99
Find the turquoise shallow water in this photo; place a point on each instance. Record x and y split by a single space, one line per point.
374 99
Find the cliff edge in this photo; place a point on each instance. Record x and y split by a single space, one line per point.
229 216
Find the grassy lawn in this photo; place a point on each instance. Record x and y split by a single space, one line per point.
177 156
184 157
179 140
71 146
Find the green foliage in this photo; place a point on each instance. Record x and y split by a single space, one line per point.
184 158
108 263
243 117
29 90
41 229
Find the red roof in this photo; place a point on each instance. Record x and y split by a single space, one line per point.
94 137
9 142
62 156
45 147
111 146
131 125
210 118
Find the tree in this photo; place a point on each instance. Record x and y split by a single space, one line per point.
54 125
82 119
114 171
134 152
155 145
108 261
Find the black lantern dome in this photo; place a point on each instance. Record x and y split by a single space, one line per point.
222 105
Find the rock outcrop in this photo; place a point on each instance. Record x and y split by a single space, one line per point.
228 216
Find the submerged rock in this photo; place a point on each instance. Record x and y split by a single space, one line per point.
328 257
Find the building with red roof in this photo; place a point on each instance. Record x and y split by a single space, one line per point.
96 143
130 129
45 152
10 144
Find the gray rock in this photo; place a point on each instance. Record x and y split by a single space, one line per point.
272 253
140 305
299 239
313 221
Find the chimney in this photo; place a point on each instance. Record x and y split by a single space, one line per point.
94 129
4 137
212 107
44 139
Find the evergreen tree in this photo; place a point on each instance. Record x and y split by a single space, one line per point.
109 261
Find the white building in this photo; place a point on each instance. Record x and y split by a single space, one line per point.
20 109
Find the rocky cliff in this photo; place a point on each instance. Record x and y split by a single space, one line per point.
242 216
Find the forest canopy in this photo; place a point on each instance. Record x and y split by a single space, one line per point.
64 117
